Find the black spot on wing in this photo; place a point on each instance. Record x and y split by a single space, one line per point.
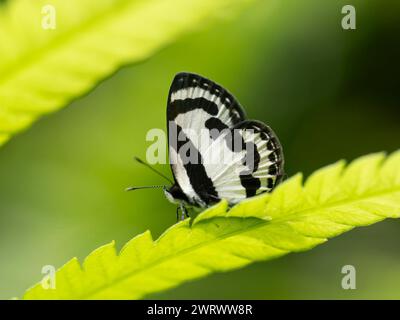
196 172
216 127
251 160
273 169
270 183
250 183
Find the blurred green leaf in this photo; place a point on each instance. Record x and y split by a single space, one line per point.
41 70
333 200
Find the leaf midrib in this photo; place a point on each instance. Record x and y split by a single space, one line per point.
231 234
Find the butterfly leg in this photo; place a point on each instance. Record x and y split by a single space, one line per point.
186 213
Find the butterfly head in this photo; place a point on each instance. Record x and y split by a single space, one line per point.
175 194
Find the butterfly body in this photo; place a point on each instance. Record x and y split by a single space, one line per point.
215 152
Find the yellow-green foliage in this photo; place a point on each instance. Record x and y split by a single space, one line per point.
295 217
41 70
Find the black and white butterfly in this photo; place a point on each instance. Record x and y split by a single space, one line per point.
214 152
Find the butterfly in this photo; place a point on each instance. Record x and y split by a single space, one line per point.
214 151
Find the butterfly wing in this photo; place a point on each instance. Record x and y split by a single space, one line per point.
255 167
214 152
196 105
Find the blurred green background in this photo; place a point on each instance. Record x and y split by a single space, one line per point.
328 93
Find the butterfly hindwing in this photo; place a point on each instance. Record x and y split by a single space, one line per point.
255 167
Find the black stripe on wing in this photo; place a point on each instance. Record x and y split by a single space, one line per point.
218 96
182 106
195 170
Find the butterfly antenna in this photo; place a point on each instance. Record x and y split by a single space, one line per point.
152 169
143 187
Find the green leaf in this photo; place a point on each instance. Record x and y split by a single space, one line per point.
333 200
41 70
